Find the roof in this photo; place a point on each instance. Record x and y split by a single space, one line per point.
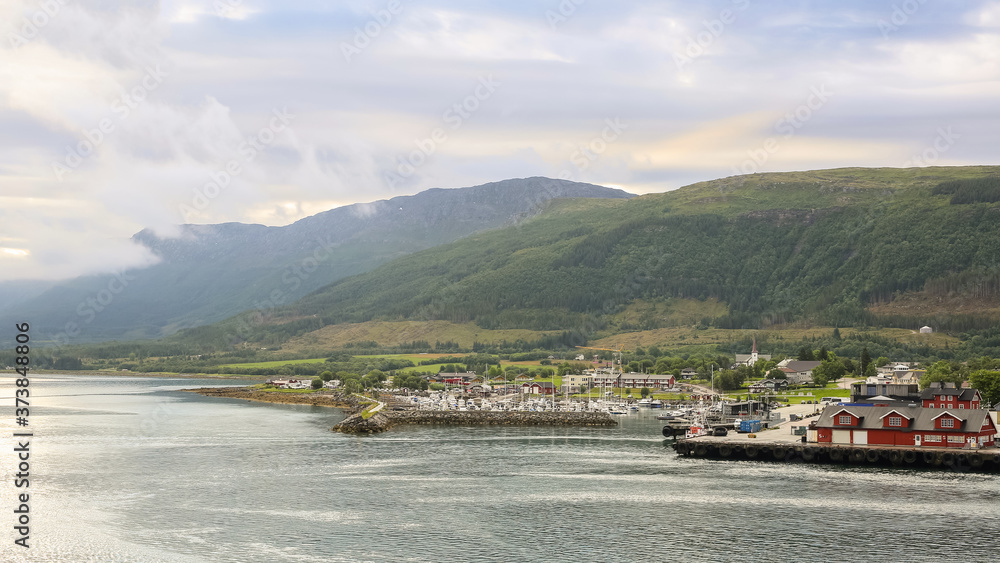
802 365
922 419
743 358
770 381
966 394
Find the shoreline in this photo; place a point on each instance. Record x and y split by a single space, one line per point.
107 373
332 400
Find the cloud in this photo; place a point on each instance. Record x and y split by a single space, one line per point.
201 86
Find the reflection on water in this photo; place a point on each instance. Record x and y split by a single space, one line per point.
131 469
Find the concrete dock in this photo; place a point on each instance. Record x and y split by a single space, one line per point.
780 443
985 460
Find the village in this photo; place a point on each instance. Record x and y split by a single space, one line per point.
887 419
857 417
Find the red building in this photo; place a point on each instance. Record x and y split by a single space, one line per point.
538 388
905 426
947 396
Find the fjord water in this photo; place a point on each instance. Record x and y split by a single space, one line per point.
132 469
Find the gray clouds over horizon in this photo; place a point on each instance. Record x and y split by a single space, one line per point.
317 112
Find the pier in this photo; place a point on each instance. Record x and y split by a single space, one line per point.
985 460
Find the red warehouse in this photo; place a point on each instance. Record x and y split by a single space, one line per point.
905 426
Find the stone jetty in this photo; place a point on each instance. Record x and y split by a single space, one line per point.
320 399
380 422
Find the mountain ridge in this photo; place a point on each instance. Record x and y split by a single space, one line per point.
816 246
211 272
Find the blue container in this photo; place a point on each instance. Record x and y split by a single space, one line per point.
750 426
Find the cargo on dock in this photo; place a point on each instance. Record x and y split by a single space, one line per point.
985 460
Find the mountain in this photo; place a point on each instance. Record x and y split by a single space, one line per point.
830 247
211 272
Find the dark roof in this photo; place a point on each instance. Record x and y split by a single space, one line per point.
963 394
771 381
801 365
922 419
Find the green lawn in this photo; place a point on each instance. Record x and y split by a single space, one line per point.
273 364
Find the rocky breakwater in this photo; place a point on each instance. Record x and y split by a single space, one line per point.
319 399
356 424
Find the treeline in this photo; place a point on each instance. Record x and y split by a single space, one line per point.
826 266
978 190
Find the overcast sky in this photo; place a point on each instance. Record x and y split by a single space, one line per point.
116 116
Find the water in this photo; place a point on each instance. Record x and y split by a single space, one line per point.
131 469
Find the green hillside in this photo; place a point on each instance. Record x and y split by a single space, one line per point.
830 247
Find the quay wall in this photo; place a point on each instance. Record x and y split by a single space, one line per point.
985 460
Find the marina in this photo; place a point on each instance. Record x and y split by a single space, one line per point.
275 485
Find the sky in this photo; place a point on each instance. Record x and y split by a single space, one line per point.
119 116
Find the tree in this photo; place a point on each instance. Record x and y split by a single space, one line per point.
644 392
806 354
881 361
776 374
941 372
836 334
326 375
317 382
820 379
988 384
725 380
352 386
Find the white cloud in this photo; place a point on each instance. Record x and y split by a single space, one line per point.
224 74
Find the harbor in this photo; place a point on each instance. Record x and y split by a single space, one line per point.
987 460
854 434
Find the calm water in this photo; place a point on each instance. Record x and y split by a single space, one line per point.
130 469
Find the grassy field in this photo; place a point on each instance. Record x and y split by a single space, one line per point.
688 337
274 363
415 358
403 332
